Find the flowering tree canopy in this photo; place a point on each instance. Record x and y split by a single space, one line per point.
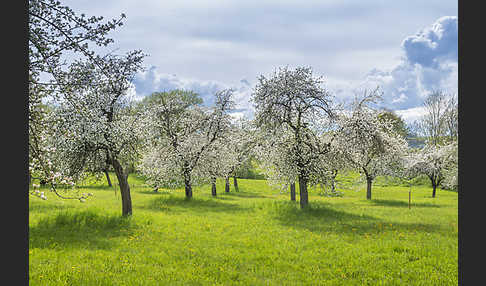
434 162
368 142
94 124
180 133
57 36
291 104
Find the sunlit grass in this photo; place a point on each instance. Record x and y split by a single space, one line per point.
254 237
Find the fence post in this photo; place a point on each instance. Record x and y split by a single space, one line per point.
409 197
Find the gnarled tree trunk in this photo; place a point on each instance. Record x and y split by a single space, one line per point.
187 180
304 196
333 180
235 183
188 186
124 188
226 185
434 186
369 181
213 187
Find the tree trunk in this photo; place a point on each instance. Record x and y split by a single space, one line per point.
213 187
304 196
292 191
108 178
187 180
235 183
434 185
368 187
227 185
333 181
124 188
188 186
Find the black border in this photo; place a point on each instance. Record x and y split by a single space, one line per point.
15 210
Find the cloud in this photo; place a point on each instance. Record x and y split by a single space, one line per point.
434 44
230 40
429 63
411 114
152 80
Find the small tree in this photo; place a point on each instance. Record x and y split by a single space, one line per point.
180 132
239 142
451 118
398 125
451 174
368 143
217 162
273 152
432 161
439 123
332 163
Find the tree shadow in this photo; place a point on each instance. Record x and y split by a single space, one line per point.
221 197
159 192
85 229
395 203
43 207
199 205
96 187
320 217
243 194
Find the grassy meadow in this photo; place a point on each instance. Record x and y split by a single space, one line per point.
256 236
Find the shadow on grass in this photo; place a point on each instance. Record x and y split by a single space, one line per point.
151 192
85 229
321 217
199 205
242 194
96 187
404 204
42 207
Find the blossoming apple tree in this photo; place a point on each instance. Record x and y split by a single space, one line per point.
94 122
292 103
56 36
370 144
437 162
180 133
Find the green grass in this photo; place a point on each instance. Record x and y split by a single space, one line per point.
253 237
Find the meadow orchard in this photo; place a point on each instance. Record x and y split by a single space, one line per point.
83 119
170 152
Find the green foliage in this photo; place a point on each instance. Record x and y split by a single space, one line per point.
249 170
186 98
256 236
399 126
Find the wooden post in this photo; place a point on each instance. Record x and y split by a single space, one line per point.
409 197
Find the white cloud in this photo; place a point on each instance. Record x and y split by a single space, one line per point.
434 44
411 114
429 63
152 80
230 40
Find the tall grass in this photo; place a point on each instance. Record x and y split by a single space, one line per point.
253 237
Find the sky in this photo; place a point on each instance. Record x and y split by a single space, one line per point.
407 48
